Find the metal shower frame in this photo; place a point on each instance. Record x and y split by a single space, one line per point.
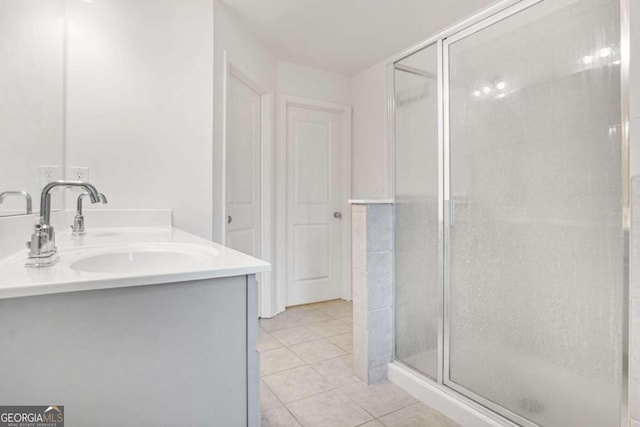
442 40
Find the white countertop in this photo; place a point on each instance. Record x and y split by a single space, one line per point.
213 261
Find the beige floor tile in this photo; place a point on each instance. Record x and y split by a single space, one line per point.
347 319
280 359
334 304
281 321
266 341
329 328
338 371
329 409
300 308
342 365
320 305
343 381
311 382
372 423
296 384
337 308
310 316
278 417
317 350
379 399
337 313
417 415
344 341
295 335
268 400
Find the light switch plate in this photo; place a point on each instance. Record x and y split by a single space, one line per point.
48 173
80 173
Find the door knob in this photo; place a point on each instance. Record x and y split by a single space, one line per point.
229 219
337 215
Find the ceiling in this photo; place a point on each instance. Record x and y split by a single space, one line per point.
347 36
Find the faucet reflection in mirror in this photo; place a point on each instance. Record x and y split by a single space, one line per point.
78 229
24 194
42 247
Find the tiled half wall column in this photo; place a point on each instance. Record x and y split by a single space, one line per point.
372 278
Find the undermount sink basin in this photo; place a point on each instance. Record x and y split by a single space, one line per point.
143 258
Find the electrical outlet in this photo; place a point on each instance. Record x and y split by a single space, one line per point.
48 174
80 173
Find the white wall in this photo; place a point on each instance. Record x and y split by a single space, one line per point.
369 145
307 82
139 104
145 101
245 52
31 96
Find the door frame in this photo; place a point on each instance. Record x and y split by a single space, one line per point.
231 69
344 110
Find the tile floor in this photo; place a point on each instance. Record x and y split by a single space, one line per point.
307 380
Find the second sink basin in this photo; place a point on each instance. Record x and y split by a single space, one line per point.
156 257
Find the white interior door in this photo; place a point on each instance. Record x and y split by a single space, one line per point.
243 168
314 195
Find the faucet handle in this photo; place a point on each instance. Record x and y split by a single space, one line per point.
22 193
78 228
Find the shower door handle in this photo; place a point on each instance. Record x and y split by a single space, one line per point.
451 206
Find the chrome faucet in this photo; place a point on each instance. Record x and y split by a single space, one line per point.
42 247
18 193
78 222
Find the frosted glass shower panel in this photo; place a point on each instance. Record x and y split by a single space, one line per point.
536 244
416 197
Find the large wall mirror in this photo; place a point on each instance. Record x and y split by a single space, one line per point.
32 48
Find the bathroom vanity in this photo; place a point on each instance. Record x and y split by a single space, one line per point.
134 326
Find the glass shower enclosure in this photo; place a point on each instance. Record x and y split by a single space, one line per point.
511 191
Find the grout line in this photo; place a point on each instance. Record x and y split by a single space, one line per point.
301 342
272 349
312 395
347 353
294 417
309 363
373 417
360 406
284 370
272 392
417 402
